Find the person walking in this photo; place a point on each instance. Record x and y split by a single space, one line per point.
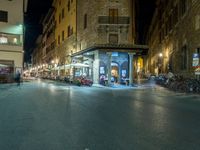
18 77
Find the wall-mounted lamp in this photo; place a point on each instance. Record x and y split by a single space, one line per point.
160 55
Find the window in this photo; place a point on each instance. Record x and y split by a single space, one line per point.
175 15
63 13
113 16
58 39
113 38
3 16
3 40
160 37
183 7
68 5
59 18
55 23
166 28
63 35
194 1
197 22
170 65
198 50
184 57
85 21
69 31
170 22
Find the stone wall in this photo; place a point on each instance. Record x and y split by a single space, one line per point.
186 32
92 35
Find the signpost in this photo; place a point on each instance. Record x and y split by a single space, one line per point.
195 62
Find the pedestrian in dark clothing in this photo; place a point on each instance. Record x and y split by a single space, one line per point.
18 77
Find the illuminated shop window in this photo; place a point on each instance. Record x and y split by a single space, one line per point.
3 40
15 40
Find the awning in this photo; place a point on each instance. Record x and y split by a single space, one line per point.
76 65
79 65
64 67
55 68
2 65
46 70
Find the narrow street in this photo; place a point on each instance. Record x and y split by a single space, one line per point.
42 115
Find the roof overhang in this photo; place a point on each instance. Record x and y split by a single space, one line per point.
137 49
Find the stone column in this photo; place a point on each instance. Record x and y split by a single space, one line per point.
119 75
130 68
109 67
96 67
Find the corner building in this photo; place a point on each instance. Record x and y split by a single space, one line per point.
11 38
105 40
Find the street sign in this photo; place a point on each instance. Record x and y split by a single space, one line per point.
195 62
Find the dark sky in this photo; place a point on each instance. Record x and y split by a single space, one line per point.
38 8
145 13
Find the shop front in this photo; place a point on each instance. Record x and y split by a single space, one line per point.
6 71
111 65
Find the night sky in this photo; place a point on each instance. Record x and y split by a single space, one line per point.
35 11
38 8
145 14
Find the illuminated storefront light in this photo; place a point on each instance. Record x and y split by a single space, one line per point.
15 40
3 40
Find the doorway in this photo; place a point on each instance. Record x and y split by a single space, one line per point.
114 72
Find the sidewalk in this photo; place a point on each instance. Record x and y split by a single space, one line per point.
4 86
138 84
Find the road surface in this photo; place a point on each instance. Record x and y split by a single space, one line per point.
52 116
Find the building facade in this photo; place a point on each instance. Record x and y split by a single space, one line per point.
65 33
106 40
11 38
96 39
38 57
174 38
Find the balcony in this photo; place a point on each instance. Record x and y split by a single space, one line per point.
114 20
113 24
11 39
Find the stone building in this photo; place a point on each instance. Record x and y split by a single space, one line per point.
96 39
37 56
105 40
174 38
11 38
44 51
48 37
65 33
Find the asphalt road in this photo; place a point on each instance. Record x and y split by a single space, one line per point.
51 116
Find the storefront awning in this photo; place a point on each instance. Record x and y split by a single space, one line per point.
2 65
130 48
79 65
75 65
